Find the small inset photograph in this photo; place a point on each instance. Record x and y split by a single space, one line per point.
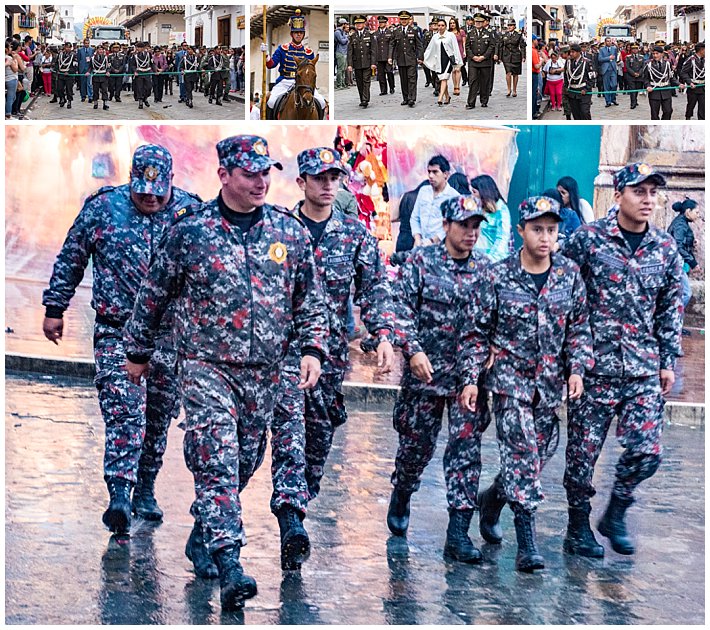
618 62
124 62
430 62
290 62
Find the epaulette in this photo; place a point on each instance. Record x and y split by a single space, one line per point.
285 46
308 51
187 211
289 213
100 191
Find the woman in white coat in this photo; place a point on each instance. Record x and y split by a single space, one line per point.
442 56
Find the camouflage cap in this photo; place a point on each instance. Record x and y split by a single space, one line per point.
319 160
248 152
538 206
151 170
635 174
460 208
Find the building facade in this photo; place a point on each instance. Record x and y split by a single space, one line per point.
686 24
155 24
215 25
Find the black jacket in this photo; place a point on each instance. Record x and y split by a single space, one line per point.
681 231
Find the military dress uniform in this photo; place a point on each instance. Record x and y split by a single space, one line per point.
480 42
66 65
120 241
141 65
635 308
190 66
99 77
381 45
430 75
361 57
513 52
430 294
304 424
116 68
497 37
693 71
215 65
659 74
579 75
633 74
406 50
242 297
541 338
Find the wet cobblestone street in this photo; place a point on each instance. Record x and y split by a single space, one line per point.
63 568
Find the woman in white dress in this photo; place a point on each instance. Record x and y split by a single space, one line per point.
442 56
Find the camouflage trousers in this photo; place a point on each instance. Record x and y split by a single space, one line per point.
136 417
417 417
228 410
301 436
638 404
528 436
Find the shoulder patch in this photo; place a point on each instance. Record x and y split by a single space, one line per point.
308 51
99 192
285 46
187 211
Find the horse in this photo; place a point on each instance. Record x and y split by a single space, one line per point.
299 103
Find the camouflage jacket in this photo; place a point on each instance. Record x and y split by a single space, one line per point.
120 241
634 299
430 294
348 253
239 297
541 338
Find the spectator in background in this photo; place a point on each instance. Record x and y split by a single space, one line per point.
570 222
84 55
341 53
12 68
680 230
427 223
569 191
459 72
496 238
459 182
45 67
403 214
536 67
553 70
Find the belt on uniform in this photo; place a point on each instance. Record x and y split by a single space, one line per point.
108 321
288 75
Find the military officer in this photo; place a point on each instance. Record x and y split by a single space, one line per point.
116 69
513 56
361 58
345 253
693 74
431 78
536 295
141 65
118 229
659 74
480 48
632 273
381 46
214 67
432 288
100 75
633 73
497 36
407 50
579 79
189 69
66 65
244 279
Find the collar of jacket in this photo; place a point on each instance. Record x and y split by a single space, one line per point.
613 229
336 220
558 268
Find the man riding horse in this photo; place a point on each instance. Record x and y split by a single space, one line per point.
288 57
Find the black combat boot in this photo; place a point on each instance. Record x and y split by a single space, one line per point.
62 103
118 99
398 512
613 526
105 105
68 104
196 553
54 100
140 104
458 545
147 104
118 515
96 104
295 546
528 558
218 101
491 503
144 503
234 586
580 539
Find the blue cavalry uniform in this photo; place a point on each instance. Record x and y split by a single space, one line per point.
120 241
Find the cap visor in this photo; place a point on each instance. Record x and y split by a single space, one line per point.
262 163
144 187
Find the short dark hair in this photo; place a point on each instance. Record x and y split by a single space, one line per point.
441 162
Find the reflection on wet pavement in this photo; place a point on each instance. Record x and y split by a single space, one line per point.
23 313
62 566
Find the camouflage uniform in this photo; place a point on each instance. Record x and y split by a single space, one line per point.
430 294
240 298
542 339
636 317
120 240
346 252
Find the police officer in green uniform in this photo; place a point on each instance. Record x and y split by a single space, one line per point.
361 58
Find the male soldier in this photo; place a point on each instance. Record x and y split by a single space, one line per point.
99 76
692 73
116 68
225 74
118 229
513 56
431 78
245 282
659 74
406 48
578 80
431 291
381 46
361 58
141 65
480 48
66 65
190 74
632 272
287 57
345 252
633 75
537 322
215 67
